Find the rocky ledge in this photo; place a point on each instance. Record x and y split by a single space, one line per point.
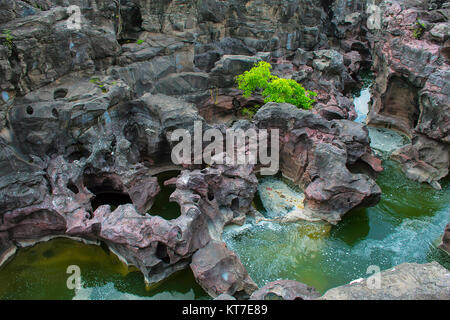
408 281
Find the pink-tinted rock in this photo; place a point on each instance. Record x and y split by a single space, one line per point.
411 92
424 160
219 271
318 155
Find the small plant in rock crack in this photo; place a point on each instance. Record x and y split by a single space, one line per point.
418 30
250 111
140 41
99 84
8 42
273 88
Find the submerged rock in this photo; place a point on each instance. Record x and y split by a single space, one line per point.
408 281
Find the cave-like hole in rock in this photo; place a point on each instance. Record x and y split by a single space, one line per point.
235 205
400 102
77 152
30 110
72 187
162 206
131 23
60 93
445 52
55 113
114 199
106 193
161 253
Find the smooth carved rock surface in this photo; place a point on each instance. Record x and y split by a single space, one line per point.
408 281
424 160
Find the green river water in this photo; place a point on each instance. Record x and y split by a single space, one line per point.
404 227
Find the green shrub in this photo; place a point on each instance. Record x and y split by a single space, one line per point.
99 84
8 38
140 41
273 88
250 111
419 30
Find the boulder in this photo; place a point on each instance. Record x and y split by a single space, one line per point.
219 271
424 160
408 281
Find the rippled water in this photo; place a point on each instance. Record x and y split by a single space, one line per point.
401 228
40 272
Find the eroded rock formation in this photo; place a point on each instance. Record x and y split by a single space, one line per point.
318 155
89 111
411 92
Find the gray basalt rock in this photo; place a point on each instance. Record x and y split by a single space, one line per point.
44 49
285 290
408 281
230 66
325 72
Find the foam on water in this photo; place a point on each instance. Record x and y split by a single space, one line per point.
385 141
401 228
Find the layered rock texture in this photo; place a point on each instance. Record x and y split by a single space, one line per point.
411 91
91 94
